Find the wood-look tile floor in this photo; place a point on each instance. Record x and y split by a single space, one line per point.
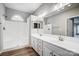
20 52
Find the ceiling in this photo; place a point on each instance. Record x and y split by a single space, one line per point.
62 9
41 9
26 7
45 7
51 9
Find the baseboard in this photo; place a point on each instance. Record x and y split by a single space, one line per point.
17 47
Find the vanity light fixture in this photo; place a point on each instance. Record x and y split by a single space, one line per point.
69 5
17 18
58 10
43 14
60 6
63 8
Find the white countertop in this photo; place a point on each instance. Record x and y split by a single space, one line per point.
69 43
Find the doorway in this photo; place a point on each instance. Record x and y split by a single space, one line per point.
73 27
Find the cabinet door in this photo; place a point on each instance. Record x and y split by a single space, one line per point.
15 34
47 52
33 42
39 47
57 50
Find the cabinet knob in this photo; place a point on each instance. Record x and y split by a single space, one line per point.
3 28
54 55
51 53
48 28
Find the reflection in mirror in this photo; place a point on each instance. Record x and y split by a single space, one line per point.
73 27
77 29
38 25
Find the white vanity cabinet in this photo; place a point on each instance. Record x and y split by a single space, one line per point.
45 48
48 51
52 50
37 45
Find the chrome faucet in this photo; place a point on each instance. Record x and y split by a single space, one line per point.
40 34
60 38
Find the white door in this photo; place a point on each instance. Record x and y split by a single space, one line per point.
15 34
2 21
0 34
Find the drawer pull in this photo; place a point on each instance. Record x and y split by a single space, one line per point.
51 53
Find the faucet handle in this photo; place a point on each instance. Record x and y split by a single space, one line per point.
60 38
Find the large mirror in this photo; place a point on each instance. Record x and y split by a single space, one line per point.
73 27
63 22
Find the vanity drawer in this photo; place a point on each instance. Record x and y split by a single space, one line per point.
60 51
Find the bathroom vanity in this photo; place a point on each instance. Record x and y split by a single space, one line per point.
50 45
